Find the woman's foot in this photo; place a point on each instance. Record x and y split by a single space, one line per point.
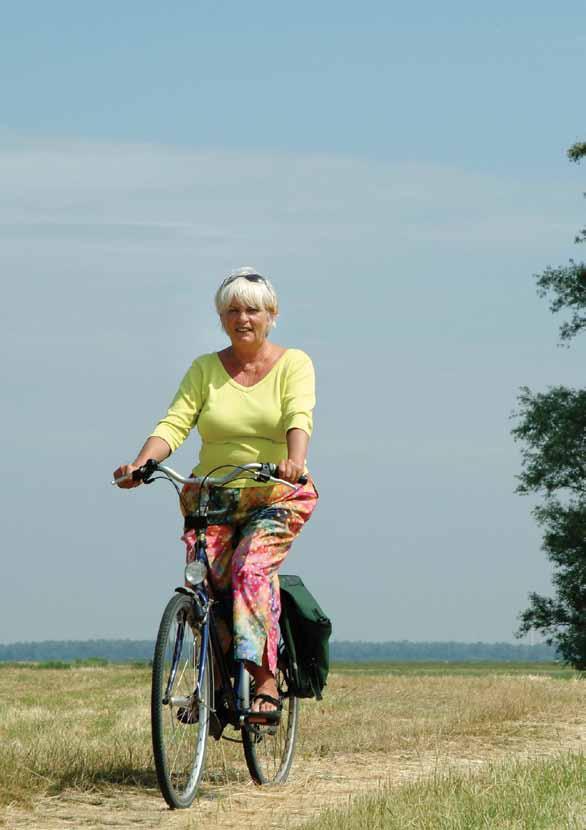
266 716
266 695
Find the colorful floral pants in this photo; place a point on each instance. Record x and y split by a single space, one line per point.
249 535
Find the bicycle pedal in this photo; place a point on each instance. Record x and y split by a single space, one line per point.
218 722
262 729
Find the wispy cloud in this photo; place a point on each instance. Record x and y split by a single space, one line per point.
85 193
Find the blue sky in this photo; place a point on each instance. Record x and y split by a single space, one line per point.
399 173
457 82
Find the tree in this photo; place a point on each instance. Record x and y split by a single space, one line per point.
552 430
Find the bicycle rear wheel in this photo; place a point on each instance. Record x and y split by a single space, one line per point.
269 749
179 710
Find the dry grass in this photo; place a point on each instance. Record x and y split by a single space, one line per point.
383 714
75 728
548 794
78 740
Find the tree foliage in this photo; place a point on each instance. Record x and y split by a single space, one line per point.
566 289
577 151
566 286
551 429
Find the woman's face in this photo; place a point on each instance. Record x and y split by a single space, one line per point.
245 324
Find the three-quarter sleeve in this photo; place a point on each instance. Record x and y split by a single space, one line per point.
183 412
298 398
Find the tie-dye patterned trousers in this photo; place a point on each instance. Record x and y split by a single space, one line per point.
249 535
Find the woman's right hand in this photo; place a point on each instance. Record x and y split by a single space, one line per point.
154 448
126 470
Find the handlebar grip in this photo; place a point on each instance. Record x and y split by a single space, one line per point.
303 479
145 472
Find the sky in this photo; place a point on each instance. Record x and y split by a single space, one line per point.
399 172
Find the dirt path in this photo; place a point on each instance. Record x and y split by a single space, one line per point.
313 785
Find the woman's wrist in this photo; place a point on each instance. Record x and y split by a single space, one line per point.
154 447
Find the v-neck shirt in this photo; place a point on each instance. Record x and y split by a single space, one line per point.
241 385
239 424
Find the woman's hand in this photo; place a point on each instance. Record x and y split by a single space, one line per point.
126 470
290 470
155 448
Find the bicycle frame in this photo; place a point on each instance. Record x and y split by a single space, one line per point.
236 695
185 702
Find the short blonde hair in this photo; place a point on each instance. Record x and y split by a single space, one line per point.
248 286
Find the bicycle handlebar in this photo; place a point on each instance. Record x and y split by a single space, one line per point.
263 472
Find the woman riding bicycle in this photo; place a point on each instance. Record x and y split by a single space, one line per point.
252 401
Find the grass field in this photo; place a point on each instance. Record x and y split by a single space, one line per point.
76 751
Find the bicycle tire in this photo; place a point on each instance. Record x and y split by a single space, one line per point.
269 750
179 747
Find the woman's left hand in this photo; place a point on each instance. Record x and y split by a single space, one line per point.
289 470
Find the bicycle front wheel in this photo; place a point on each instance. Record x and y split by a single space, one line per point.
269 749
179 709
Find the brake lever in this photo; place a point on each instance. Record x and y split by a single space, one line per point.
265 473
146 472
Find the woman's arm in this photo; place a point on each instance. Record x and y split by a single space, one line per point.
297 404
153 447
293 466
171 430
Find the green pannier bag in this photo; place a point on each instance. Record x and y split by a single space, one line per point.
306 632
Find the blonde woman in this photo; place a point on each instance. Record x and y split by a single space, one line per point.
252 401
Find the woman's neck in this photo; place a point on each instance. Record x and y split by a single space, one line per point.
250 355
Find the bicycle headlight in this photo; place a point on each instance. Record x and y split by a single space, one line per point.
195 572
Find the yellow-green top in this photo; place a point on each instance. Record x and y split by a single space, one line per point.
240 424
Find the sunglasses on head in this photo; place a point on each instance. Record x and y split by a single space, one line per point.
249 277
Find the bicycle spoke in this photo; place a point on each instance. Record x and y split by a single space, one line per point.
269 749
179 738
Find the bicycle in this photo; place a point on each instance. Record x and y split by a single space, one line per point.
187 702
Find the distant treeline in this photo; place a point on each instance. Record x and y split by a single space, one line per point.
115 651
124 651
407 651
